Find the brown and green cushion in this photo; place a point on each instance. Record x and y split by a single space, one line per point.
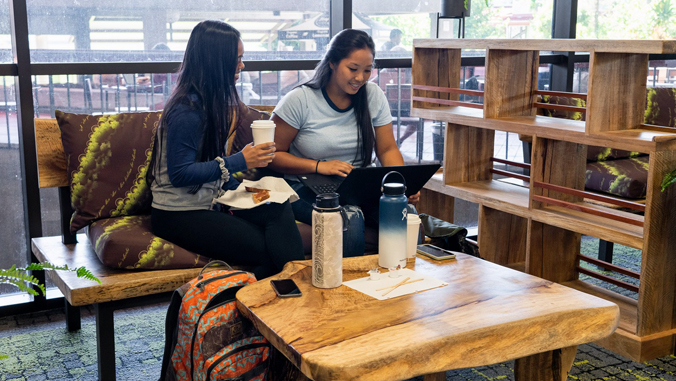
106 158
626 178
128 243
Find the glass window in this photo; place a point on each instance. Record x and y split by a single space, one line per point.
488 19
5 37
136 31
626 19
13 227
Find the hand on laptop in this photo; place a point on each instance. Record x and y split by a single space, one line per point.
334 167
414 198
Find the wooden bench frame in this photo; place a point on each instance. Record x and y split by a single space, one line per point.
118 288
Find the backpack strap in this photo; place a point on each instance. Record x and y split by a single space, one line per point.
171 331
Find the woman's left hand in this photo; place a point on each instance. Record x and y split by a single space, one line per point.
414 198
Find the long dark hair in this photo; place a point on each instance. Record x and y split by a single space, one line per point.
341 46
208 72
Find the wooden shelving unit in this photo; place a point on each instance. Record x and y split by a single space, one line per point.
537 228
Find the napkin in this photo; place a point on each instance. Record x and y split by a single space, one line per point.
239 198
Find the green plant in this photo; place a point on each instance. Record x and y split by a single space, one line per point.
668 179
19 277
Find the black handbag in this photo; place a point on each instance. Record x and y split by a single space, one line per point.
447 235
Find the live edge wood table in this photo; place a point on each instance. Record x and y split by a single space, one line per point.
487 314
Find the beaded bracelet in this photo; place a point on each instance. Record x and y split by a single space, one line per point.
225 175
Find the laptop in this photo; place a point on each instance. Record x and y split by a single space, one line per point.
362 185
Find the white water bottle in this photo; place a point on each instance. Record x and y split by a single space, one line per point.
328 224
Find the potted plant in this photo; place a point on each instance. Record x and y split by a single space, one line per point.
455 8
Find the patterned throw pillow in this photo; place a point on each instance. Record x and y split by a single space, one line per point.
624 177
127 243
107 157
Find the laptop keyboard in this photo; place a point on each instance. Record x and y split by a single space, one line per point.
325 188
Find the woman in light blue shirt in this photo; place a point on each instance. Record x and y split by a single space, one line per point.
336 121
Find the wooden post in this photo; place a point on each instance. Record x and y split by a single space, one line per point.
548 366
502 237
468 154
559 163
436 204
657 290
511 79
616 95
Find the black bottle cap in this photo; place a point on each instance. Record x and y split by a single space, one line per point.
394 189
327 201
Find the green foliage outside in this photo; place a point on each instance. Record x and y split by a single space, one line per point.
626 19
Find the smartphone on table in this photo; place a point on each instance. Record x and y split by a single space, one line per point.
285 288
434 252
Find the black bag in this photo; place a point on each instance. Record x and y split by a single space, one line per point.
447 235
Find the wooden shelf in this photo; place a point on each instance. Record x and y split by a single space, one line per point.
495 194
642 140
513 226
565 45
599 227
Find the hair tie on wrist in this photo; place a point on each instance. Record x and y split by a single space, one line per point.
317 167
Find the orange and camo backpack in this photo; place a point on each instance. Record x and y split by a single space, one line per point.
206 336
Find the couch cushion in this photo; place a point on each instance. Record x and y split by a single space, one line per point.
625 177
595 153
127 243
564 101
107 157
660 106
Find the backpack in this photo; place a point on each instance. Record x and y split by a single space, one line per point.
206 336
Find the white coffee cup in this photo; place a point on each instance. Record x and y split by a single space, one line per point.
412 232
263 131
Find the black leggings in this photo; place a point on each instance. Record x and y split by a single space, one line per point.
265 237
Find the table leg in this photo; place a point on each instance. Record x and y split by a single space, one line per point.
105 340
73 321
548 366
441 376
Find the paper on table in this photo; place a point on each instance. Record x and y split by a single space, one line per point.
369 287
239 198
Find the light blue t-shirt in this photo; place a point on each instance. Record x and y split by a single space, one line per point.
326 132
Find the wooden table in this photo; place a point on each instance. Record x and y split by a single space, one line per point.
487 314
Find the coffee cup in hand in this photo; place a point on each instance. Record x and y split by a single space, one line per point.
263 131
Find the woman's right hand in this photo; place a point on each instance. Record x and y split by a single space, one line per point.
258 155
334 167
